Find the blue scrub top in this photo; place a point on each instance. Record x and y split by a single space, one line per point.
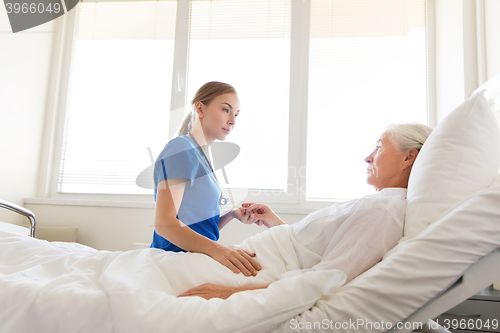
200 206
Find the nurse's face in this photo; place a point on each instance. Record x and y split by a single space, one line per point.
218 117
386 165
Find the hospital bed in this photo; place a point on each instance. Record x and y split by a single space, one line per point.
477 277
440 263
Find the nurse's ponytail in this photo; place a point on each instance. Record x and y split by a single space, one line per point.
187 124
205 94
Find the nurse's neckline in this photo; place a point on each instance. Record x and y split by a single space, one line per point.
191 136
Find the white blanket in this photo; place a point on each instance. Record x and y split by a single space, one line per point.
67 287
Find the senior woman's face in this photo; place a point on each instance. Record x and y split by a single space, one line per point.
386 165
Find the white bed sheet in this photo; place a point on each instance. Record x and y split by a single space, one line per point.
67 287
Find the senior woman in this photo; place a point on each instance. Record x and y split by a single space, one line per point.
351 236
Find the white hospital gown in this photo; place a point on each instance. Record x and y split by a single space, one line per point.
351 236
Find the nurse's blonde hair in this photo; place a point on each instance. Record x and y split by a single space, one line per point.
205 94
406 137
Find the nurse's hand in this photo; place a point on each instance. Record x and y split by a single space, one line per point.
262 213
235 258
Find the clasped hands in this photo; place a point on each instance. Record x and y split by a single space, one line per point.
259 214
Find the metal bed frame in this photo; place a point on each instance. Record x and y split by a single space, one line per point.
23 211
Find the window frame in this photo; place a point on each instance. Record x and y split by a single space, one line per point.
295 196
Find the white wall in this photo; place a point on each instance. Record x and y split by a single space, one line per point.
25 61
449 58
492 40
457 50
456 75
492 36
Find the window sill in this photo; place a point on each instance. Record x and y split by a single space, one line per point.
151 205
89 203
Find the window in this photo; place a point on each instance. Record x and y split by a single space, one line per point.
247 43
364 65
367 68
119 89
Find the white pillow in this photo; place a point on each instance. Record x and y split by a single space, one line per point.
415 271
460 157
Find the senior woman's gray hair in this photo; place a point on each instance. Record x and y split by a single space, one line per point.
406 137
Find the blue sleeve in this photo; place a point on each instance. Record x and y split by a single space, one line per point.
179 159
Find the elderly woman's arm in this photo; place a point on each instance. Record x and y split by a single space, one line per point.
209 290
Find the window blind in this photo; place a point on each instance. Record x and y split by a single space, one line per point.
126 20
223 19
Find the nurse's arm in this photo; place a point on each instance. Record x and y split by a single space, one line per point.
224 219
168 200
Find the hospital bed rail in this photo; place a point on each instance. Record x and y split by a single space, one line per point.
23 211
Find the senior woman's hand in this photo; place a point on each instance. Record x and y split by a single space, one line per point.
210 290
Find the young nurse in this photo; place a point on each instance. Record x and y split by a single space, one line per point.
187 193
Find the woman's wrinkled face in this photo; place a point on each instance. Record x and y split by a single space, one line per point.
385 164
219 116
